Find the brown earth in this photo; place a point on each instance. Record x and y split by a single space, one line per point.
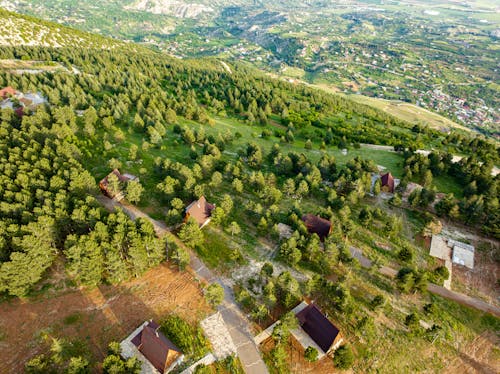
297 363
484 277
97 316
479 356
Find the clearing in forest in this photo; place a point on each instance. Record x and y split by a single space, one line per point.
96 316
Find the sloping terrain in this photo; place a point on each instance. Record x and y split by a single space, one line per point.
18 30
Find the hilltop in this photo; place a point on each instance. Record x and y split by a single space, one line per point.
21 30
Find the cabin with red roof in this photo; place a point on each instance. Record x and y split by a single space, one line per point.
7 92
199 210
150 346
115 192
317 225
387 184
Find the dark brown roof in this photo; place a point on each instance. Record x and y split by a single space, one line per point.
317 326
317 225
388 180
200 210
156 347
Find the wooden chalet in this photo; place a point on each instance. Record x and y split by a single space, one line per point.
319 328
122 178
200 210
387 184
156 348
317 225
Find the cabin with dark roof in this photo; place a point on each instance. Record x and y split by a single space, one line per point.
324 333
317 225
156 352
200 211
115 192
387 184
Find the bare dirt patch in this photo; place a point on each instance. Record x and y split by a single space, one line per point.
483 278
482 355
97 316
297 363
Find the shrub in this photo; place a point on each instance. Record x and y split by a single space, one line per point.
214 294
377 301
343 358
189 339
311 354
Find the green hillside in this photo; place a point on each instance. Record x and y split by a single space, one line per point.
266 152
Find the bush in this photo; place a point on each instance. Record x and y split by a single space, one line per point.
405 254
343 358
189 339
214 294
377 301
311 354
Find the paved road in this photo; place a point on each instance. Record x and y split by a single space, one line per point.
431 287
236 322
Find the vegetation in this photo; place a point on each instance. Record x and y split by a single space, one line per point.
266 152
188 338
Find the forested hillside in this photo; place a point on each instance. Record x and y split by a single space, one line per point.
266 151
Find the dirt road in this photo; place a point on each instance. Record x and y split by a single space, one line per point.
236 322
434 288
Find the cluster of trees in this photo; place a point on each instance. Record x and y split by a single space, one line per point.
479 205
114 250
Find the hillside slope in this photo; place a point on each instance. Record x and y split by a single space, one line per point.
20 30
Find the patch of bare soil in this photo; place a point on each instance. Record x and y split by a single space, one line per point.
96 316
297 363
482 355
484 277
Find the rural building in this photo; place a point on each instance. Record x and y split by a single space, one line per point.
324 333
387 184
107 190
200 211
20 102
451 250
463 254
317 225
155 351
315 330
7 92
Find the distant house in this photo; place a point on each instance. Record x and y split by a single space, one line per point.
108 190
200 211
7 92
463 254
452 250
317 225
20 102
387 184
319 328
150 346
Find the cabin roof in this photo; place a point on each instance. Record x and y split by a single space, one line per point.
317 326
